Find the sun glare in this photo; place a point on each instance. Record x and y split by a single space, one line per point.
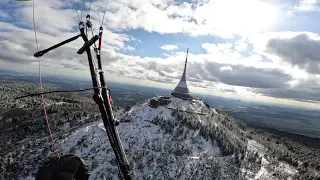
245 16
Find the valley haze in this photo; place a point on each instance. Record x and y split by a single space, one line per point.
293 119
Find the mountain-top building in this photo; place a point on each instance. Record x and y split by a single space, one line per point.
182 91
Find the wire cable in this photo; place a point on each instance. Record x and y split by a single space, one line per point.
104 13
98 10
74 7
81 6
88 12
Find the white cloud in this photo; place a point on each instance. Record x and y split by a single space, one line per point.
226 68
169 47
195 18
162 16
222 53
307 5
242 17
3 14
241 45
260 42
221 67
224 48
129 48
306 51
51 17
289 14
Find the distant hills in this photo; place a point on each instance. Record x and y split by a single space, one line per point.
285 118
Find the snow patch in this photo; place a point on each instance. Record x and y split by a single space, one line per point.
191 106
255 146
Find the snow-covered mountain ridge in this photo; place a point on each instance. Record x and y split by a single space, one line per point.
180 140
164 137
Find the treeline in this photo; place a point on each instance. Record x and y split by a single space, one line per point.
24 136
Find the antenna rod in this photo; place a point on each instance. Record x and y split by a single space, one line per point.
185 64
187 53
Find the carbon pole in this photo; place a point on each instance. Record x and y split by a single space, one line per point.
40 53
101 97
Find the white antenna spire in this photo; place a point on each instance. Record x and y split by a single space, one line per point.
182 91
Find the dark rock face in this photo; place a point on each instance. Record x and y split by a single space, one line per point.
161 101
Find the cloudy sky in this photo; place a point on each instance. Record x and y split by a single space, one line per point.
249 49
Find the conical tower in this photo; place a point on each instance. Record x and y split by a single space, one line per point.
181 91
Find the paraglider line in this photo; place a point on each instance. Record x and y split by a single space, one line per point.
41 89
104 13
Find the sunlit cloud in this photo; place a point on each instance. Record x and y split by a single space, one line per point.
307 5
232 51
169 47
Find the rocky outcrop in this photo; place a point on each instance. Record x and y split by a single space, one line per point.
159 101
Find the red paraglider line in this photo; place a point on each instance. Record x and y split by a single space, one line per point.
41 89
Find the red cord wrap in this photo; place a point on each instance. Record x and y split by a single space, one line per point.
100 39
41 89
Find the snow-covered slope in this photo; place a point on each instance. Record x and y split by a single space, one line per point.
175 141
164 138
154 151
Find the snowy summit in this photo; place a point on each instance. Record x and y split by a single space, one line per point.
169 138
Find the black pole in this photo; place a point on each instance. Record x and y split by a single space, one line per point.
40 53
101 97
88 44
